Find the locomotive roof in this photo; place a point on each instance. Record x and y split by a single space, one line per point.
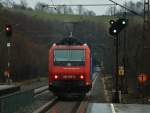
70 41
83 46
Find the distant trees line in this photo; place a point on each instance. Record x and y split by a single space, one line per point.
135 6
79 10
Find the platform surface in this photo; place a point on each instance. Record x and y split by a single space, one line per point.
2 87
7 89
118 108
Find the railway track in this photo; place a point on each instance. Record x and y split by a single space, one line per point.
39 91
56 105
46 106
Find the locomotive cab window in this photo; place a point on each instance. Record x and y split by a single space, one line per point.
71 57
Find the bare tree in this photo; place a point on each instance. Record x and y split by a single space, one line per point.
139 7
70 11
23 4
58 9
80 9
131 5
91 13
39 6
7 3
53 10
135 6
1 5
65 9
42 7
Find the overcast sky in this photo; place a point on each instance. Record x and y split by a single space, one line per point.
97 9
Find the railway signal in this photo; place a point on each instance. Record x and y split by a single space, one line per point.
142 78
113 29
122 23
111 22
8 30
117 26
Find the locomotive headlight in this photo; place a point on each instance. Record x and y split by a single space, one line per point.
81 77
56 77
54 44
87 83
85 44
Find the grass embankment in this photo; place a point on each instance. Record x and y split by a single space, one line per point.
62 17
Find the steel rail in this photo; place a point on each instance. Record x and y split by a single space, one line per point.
46 106
40 90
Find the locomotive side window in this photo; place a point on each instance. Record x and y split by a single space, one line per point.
69 57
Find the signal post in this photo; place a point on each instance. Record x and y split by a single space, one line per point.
8 33
114 30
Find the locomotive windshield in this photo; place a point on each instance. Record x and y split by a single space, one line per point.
71 57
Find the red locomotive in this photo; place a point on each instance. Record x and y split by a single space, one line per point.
70 68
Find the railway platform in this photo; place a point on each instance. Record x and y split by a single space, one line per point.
7 89
117 108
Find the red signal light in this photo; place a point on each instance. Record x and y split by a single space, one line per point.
142 77
8 30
